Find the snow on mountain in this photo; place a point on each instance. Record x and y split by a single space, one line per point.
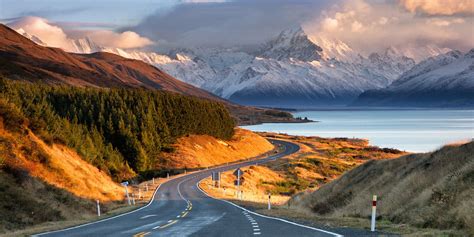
292 43
33 38
443 80
289 70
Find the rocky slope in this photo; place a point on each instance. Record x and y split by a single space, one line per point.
443 81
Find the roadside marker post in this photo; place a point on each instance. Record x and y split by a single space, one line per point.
98 208
153 180
269 203
133 198
125 184
168 175
374 207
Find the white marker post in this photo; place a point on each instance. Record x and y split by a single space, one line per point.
98 208
125 184
269 203
153 180
168 175
374 207
239 194
133 198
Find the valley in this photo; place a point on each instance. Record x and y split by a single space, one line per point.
236 118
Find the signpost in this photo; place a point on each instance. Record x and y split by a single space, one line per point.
125 184
238 172
216 177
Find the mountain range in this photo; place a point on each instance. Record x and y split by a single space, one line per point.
26 57
290 70
446 80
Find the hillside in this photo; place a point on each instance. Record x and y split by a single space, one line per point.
122 132
443 81
196 151
22 59
425 190
40 182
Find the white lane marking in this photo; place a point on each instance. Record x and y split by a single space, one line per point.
256 233
256 229
170 221
156 227
144 217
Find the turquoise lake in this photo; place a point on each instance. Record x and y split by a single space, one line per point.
410 130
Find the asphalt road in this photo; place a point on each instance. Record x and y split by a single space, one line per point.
180 208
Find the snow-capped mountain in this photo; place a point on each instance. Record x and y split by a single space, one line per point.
290 70
291 44
444 80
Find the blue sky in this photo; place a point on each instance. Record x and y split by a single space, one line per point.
86 13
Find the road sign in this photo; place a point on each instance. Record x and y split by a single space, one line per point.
238 172
216 176
240 178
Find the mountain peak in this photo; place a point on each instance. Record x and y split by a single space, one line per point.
292 43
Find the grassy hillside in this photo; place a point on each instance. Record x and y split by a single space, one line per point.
196 151
119 131
433 190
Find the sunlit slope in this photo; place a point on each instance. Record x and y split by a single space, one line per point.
203 151
57 165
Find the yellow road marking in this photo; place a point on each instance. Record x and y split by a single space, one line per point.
141 234
184 214
171 223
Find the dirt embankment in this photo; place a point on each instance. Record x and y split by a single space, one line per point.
196 151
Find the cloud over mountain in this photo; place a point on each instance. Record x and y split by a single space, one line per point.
55 36
439 7
365 24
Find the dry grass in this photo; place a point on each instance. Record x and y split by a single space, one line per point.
253 188
433 190
196 151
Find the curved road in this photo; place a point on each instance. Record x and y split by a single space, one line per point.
180 208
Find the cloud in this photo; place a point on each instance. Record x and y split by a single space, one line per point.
52 35
373 25
439 7
239 22
55 36
124 40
